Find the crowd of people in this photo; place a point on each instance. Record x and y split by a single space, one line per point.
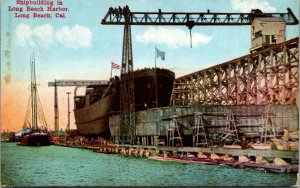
119 11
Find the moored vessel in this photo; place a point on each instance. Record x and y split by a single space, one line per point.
34 132
152 86
35 138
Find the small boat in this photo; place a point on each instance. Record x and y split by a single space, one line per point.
35 135
35 138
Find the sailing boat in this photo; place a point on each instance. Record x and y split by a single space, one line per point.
32 134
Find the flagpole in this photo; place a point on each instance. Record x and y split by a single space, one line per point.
111 69
155 56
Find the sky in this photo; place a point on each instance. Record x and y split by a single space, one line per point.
79 47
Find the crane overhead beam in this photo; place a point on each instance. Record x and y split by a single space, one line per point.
64 83
190 19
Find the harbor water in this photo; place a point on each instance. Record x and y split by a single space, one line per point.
54 166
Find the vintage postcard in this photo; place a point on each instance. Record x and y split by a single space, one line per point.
149 93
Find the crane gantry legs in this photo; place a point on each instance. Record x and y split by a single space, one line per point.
127 99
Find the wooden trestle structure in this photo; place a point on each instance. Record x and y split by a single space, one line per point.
268 76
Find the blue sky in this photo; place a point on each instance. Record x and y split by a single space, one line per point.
79 47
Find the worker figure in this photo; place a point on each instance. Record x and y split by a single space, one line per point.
115 12
120 10
118 13
127 8
111 10
124 10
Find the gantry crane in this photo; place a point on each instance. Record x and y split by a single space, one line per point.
123 16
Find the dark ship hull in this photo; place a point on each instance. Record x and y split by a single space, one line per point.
145 88
92 110
35 139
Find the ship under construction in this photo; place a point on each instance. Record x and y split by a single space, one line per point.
250 99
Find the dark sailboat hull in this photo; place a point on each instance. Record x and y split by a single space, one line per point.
93 119
35 140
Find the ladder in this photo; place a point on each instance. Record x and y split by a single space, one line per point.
179 92
199 139
174 133
231 133
268 129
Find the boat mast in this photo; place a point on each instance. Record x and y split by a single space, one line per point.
33 93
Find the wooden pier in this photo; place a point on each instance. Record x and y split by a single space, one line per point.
236 158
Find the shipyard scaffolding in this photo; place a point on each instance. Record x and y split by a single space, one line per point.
268 75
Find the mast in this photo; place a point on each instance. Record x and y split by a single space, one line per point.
33 93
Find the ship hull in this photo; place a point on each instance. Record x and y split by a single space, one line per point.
95 127
35 140
152 83
93 119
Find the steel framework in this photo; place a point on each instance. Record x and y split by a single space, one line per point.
190 19
64 83
269 76
127 99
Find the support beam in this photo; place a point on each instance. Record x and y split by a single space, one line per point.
268 76
190 19
64 83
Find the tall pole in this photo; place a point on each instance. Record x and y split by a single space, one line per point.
156 94
56 122
33 94
68 126
155 57
111 69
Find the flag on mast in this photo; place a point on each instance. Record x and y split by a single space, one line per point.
160 54
115 66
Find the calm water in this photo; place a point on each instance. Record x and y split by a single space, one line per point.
53 165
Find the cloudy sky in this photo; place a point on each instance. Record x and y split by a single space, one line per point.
79 47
